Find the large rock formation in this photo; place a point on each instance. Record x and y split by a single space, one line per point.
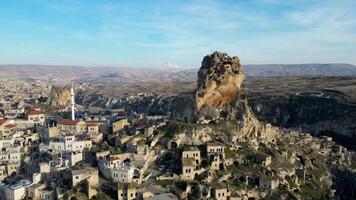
59 96
219 80
219 95
219 100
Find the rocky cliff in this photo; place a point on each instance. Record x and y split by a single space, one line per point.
316 113
219 80
219 100
59 96
218 94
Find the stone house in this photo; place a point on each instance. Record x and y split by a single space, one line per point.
119 125
13 167
36 117
101 154
93 128
76 126
217 162
115 169
215 149
220 193
194 153
91 174
6 126
289 154
15 191
69 142
188 168
128 191
216 155
35 191
268 182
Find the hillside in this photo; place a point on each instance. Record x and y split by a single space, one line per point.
333 69
119 75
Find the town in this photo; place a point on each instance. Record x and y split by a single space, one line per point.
70 152
178 100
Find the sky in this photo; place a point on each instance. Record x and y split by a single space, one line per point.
148 33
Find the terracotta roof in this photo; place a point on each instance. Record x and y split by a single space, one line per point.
92 124
69 134
68 122
2 121
11 126
112 158
35 112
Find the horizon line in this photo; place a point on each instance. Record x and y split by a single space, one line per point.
161 68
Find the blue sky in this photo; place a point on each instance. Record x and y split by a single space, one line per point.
133 33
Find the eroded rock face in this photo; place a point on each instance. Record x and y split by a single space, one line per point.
219 100
219 80
219 84
184 108
59 96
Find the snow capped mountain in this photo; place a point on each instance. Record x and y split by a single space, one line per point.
171 67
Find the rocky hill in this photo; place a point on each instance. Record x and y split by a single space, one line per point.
218 94
218 99
289 102
59 96
217 113
219 84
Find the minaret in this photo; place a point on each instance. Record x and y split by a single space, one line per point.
72 95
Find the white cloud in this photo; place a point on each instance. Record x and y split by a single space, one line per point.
277 31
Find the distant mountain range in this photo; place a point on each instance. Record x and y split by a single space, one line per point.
333 69
117 75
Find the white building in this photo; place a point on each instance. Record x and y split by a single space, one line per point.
73 126
6 142
120 172
90 173
69 143
16 191
62 152
36 117
13 156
